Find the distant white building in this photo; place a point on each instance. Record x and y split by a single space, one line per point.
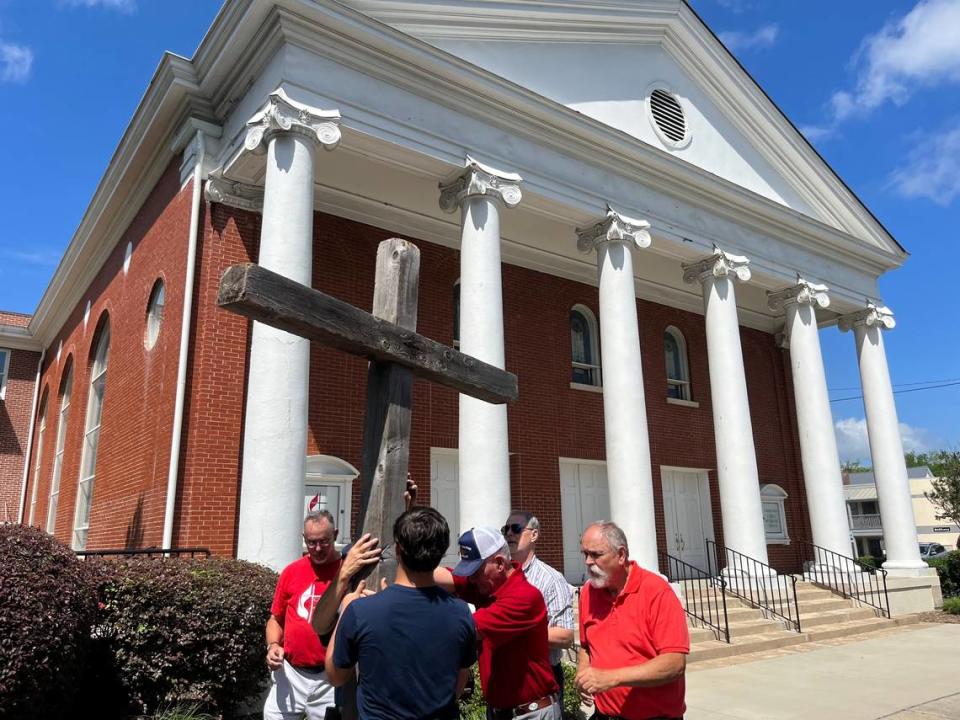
863 512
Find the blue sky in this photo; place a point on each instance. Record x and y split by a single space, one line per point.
874 85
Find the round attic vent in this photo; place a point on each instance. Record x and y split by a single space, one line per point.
668 115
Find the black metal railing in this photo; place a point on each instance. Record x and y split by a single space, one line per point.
704 598
845 576
149 552
756 583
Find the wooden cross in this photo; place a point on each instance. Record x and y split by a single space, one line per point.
388 338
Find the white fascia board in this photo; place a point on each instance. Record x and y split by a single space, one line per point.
13 337
137 164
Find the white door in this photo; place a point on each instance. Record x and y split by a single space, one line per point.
584 499
445 497
687 515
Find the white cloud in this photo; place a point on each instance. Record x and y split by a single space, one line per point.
815 133
736 6
764 37
40 256
854 446
932 168
16 61
918 50
126 6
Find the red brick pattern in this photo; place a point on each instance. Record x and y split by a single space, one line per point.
14 319
130 485
15 424
549 421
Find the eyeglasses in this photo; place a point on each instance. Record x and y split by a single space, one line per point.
515 528
322 543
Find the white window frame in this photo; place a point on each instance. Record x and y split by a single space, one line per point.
4 371
772 498
683 383
91 439
155 308
66 388
38 454
456 314
594 329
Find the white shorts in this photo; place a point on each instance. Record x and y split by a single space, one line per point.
295 693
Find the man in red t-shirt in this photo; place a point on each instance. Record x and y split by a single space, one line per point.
511 620
633 634
295 653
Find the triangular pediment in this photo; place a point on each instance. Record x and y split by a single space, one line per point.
605 58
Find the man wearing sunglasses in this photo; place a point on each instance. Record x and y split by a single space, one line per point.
295 653
522 532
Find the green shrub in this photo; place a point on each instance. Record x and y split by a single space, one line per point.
948 568
179 632
473 706
47 605
952 605
868 560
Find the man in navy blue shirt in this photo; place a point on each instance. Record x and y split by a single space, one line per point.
414 643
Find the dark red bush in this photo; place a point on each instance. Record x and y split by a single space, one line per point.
183 631
47 605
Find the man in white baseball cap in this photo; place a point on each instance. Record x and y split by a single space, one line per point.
511 620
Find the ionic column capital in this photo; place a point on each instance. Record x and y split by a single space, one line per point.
281 114
235 194
873 315
614 227
720 264
477 179
803 293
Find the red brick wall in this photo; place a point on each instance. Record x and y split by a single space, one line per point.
131 471
550 419
15 422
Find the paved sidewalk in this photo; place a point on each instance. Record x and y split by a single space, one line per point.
910 674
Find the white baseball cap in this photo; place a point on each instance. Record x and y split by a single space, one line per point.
476 545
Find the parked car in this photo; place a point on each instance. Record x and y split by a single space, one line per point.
932 550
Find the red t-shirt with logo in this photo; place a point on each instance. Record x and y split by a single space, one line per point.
299 588
643 621
514 650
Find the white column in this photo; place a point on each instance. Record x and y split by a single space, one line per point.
624 404
484 456
886 445
818 443
736 455
275 426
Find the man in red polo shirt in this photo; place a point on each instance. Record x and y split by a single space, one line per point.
511 620
633 634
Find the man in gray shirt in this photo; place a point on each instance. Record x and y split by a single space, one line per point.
522 532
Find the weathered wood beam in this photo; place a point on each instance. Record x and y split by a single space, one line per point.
274 300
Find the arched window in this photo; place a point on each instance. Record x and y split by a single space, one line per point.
42 428
584 346
66 385
456 314
154 315
678 370
91 438
772 498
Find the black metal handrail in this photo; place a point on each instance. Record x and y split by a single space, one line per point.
845 576
757 584
150 552
704 597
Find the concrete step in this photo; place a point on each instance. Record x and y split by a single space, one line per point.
739 612
711 649
857 627
699 634
760 626
830 602
829 617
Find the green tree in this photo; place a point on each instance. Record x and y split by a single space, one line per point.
853 466
945 492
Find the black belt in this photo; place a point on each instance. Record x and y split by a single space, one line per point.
524 708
